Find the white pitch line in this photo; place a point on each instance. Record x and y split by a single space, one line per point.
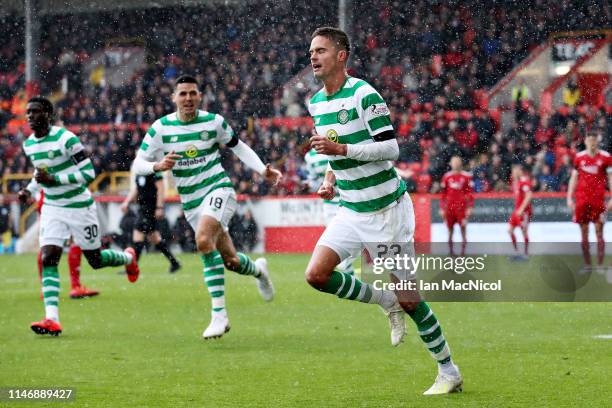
603 336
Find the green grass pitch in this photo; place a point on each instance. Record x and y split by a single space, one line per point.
140 345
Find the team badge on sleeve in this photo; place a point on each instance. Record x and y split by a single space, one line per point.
204 135
379 109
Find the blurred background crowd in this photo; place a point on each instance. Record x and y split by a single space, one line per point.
430 60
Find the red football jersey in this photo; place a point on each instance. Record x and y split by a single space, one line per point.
457 190
520 188
592 175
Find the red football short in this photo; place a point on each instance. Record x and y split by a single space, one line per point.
588 211
516 221
454 216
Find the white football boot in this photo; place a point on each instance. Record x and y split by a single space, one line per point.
264 284
446 384
395 313
219 325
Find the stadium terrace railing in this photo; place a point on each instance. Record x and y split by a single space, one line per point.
118 180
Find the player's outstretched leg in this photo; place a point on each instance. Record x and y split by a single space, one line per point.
601 246
212 240
346 266
244 265
74 265
161 245
77 291
214 278
50 288
451 249
429 329
40 271
586 251
320 274
463 239
513 238
163 248
108 257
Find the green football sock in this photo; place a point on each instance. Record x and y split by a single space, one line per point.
50 289
214 279
431 332
247 266
113 258
347 286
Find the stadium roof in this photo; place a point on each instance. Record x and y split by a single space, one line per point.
78 6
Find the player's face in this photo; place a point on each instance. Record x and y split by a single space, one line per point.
37 117
517 172
590 143
325 58
187 98
455 164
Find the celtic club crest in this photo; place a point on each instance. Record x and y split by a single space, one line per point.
343 116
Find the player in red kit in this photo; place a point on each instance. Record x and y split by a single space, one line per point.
522 189
77 290
457 201
588 184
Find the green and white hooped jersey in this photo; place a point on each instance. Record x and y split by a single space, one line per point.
316 164
354 115
199 171
55 152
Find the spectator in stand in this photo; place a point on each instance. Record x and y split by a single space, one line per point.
466 137
499 173
564 172
481 182
546 180
410 149
544 134
571 93
521 97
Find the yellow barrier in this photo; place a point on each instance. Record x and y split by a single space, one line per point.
114 185
11 177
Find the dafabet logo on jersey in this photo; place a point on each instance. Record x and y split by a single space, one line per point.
191 151
332 135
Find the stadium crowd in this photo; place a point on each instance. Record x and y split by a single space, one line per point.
428 60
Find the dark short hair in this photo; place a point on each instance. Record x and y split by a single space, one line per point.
186 79
335 35
591 133
44 102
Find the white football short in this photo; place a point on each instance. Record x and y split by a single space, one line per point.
221 204
57 224
329 211
350 232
